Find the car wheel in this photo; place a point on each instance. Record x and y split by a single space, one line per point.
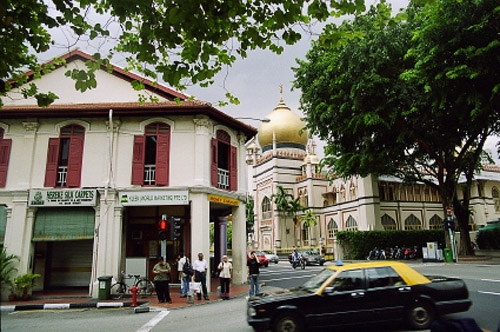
420 315
287 323
321 264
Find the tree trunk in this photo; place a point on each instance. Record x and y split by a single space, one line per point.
462 214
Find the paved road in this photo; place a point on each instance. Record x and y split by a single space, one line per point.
483 283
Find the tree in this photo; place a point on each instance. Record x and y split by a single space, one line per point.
176 41
414 98
288 206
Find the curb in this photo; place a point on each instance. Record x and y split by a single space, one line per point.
62 306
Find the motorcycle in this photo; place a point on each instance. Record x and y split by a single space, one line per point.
299 262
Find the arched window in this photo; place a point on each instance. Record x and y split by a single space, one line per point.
351 224
306 199
412 223
388 222
496 198
64 158
266 208
436 222
224 162
151 156
332 228
342 194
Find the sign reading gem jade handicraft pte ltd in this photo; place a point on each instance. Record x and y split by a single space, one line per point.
62 197
163 197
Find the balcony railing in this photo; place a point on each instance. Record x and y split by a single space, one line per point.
62 175
149 174
222 178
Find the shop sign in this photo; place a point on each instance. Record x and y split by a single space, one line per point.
62 197
164 197
223 200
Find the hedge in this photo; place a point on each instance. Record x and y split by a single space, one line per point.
357 244
489 239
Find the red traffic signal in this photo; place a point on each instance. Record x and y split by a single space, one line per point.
162 225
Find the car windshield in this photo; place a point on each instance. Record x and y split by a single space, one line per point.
313 284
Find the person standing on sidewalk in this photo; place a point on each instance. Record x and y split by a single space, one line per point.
226 272
253 274
161 280
183 277
200 268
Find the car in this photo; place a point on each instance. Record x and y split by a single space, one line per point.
271 257
311 257
263 262
491 225
359 294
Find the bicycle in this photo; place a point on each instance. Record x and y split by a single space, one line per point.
120 288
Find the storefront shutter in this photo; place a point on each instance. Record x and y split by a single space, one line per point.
63 224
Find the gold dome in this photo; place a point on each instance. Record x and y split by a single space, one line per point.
285 124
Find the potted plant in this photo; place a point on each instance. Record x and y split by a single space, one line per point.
6 269
23 284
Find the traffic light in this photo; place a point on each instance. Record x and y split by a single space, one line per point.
175 229
163 229
449 223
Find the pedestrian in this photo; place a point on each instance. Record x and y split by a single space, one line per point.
225 275
253 274
183 277
200 268
161 280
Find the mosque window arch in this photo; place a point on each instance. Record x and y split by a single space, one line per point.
352 191
351 224
266 208
388 223
436 222
413 223
342 194
332 228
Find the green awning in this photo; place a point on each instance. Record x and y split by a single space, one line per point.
63 224
3 222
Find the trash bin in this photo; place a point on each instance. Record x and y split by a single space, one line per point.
104 287
448 255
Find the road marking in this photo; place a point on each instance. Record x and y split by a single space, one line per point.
153 322
492 280
489 293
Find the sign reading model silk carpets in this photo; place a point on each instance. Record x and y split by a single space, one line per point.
62 197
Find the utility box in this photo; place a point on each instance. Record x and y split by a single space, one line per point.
104 287
432 250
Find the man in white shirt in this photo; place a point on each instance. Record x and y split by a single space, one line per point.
200 268
183 278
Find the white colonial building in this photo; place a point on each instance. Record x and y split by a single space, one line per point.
85 181
283 156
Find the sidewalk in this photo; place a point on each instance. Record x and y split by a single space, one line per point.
75 299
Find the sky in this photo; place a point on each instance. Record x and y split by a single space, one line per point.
255 80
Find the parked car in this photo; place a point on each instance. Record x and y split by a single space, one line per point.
311 257
263 262
359 294
272 258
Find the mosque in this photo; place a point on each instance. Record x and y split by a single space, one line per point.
283 155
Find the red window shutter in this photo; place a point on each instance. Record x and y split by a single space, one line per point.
233 169
214 170
75 159
138 160
162 159
52 163
5 147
